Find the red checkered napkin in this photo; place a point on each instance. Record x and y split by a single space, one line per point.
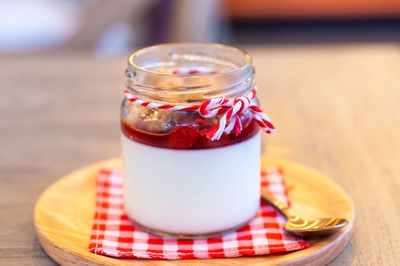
113 234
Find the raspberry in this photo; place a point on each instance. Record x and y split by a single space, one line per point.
182 138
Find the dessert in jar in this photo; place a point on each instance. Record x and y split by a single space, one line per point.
191 139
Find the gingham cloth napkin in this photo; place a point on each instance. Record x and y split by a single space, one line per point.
114 235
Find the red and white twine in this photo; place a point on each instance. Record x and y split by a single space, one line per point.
231 111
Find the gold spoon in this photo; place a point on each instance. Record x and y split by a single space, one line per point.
300 226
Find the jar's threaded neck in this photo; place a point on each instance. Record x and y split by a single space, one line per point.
189 73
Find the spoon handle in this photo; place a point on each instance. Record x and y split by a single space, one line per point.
277 204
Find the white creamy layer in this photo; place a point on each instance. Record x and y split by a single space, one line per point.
191 191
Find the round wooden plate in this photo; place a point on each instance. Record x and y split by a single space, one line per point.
64 216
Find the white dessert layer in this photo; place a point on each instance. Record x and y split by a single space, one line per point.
191 191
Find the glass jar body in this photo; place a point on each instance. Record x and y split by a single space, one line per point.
178 182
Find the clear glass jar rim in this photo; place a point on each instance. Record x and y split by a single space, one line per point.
248 59
235 76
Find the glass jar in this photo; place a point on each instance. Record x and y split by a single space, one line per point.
178 181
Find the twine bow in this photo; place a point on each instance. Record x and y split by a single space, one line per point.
231 111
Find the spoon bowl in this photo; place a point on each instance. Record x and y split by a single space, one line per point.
310 228
300 226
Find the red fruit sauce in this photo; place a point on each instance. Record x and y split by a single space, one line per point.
187 138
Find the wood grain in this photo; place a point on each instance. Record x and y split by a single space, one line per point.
64 216
336 108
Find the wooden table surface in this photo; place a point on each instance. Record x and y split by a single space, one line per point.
336 109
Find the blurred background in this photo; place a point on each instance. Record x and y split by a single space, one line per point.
328 73
107 28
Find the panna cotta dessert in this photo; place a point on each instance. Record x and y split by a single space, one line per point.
215 194
190 134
